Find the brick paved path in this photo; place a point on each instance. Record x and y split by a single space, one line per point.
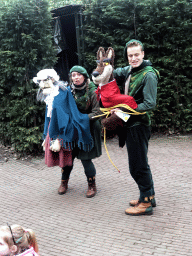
71 224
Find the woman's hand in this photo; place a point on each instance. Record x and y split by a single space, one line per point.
114 110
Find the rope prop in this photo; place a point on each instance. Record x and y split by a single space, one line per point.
107 112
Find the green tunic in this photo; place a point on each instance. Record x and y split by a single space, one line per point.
86 100
143 87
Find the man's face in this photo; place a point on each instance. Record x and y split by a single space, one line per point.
135 56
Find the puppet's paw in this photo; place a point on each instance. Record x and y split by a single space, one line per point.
112 122
43 145
55 145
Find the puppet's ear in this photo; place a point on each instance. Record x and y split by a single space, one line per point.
110 54
100 53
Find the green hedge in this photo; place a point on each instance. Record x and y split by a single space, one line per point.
26 47
165 28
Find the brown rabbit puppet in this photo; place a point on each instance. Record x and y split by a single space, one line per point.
108 91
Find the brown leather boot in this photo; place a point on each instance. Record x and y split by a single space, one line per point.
140 209
63 187
136 202
92 190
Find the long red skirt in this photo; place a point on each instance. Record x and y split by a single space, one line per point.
61 158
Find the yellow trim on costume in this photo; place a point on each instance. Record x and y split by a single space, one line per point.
107 150
107 112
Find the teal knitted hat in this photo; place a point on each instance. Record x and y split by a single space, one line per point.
131 41
80 70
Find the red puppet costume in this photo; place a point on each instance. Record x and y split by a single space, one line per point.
110 96
108 91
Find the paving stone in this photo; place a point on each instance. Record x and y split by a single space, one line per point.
71 224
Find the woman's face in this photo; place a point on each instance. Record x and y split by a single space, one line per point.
4 248
77 78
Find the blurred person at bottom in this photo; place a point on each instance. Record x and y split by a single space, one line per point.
15 240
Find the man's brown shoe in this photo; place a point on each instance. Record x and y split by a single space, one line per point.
140 209
136 202
92 190
63 187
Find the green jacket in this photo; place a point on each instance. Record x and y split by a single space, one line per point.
87 103
143 87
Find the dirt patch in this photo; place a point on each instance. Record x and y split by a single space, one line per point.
8 153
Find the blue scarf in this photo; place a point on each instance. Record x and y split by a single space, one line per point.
67 124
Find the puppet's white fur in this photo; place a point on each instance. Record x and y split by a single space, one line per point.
44 74
55 145
104 77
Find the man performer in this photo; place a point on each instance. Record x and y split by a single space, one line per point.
140 80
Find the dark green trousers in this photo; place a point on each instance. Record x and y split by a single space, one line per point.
88 165
137 146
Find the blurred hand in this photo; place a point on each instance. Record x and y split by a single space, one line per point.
113 111
55 145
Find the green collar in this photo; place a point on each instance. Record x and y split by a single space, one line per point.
137 78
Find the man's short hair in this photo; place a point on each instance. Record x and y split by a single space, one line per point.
132 43
135 42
